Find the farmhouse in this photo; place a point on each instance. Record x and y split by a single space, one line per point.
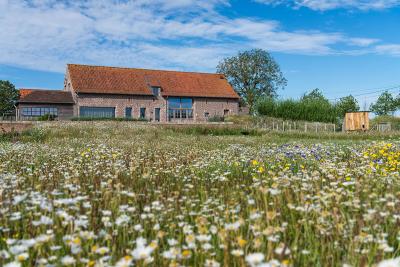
154 95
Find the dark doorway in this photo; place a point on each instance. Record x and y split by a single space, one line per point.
157 114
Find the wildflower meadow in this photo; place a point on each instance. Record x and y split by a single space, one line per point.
126 194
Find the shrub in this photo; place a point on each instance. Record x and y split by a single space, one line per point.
267 106
394 121
216 118
47 117
33 135
106 119
8 137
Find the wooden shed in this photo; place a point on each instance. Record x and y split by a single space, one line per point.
356 121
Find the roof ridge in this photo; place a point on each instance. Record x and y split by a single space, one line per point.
40 89
45 96
128 68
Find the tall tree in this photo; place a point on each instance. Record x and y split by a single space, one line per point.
253 74
314 106
315 95
346 104
385 105
8 96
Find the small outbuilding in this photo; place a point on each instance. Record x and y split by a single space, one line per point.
356 121
34 103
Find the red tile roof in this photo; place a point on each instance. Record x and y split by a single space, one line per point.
45 96
113 80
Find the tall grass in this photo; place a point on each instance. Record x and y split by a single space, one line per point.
303 110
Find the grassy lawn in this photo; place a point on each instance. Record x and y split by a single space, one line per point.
131 194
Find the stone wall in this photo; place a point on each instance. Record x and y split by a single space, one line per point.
8 127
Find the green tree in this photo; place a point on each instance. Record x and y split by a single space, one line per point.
311 107
253 74
385 105
346 104
315 95
398 102
267 106
8 96
314 106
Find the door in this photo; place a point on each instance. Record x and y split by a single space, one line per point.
157 114
128 112
142 113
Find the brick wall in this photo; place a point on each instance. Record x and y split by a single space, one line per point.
214 107
244 111
120 102
7 127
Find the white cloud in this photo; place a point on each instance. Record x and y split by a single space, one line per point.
323 5
362 42
179 34
389 49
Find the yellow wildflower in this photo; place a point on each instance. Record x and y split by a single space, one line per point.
241 242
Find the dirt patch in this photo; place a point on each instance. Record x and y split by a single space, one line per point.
8 127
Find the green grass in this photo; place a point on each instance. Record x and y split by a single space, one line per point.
120 129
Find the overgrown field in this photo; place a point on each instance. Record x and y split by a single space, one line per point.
122 194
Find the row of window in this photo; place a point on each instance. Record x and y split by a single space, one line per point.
107 112
179 107
97 112
180 113
178 110
39 111
128 113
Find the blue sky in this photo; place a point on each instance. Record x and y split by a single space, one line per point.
339 46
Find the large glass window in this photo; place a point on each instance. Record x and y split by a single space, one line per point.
39 111
174 102
180 108
97 112
186 103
